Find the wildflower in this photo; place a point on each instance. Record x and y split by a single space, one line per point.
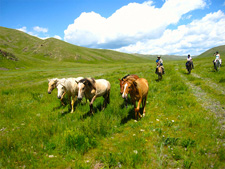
173 121
51 156
135 121
135 151
157 119
142 130
134 134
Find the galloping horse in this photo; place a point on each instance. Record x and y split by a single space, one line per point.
52 83
138 90
70 87
91 89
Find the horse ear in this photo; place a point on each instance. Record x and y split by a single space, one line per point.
76 82
120 80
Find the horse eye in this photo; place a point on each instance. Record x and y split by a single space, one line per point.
83 88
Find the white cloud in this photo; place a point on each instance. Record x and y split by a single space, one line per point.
38 32
57 37
193 38
132 24
40 29
23 29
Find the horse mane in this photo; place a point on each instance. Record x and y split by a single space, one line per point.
125 76
89 81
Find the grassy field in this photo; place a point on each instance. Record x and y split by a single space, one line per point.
179 130
183 127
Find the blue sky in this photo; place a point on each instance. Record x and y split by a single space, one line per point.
134 26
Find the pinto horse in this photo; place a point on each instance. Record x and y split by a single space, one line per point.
138 90
91 89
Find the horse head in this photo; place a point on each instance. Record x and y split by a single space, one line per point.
128 86
84 85
61 90
52 84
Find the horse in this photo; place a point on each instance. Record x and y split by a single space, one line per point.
122 81
52 85
70 87
189 67
216 64
122 84
159 72
138 90
91 89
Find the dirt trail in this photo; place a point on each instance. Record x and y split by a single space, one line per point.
211 84
207 102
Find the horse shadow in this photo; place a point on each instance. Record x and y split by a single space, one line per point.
69 108
96 109
126 102
130 116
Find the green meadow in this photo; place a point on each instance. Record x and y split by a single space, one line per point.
183 127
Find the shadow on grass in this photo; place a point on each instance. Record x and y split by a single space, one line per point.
126 102
131 116
95 110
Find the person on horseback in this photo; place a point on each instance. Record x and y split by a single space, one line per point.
189 59
159 62
217 58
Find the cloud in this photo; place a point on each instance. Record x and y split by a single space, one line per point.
57 37
39 29
132 24
38 32
193 38
23 29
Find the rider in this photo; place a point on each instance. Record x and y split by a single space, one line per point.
159 62
189 59
218 58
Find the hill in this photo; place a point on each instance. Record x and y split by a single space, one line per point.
30 50
210 52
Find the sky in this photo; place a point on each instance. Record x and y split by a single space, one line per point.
176 27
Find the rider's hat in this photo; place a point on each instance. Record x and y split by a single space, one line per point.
158 56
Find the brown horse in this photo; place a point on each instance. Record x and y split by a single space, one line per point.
138 90
122 81
159 72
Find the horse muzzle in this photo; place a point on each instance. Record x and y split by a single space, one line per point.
59 97
49 92
79 98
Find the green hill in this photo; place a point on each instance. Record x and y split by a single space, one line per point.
28 50
210 52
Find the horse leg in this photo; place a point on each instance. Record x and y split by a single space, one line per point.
62 98
72 103
144 104
137 110
91 104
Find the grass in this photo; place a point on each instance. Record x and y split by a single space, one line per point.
181 129
177 132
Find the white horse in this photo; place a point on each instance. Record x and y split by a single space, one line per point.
70 87
52 84
91 89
